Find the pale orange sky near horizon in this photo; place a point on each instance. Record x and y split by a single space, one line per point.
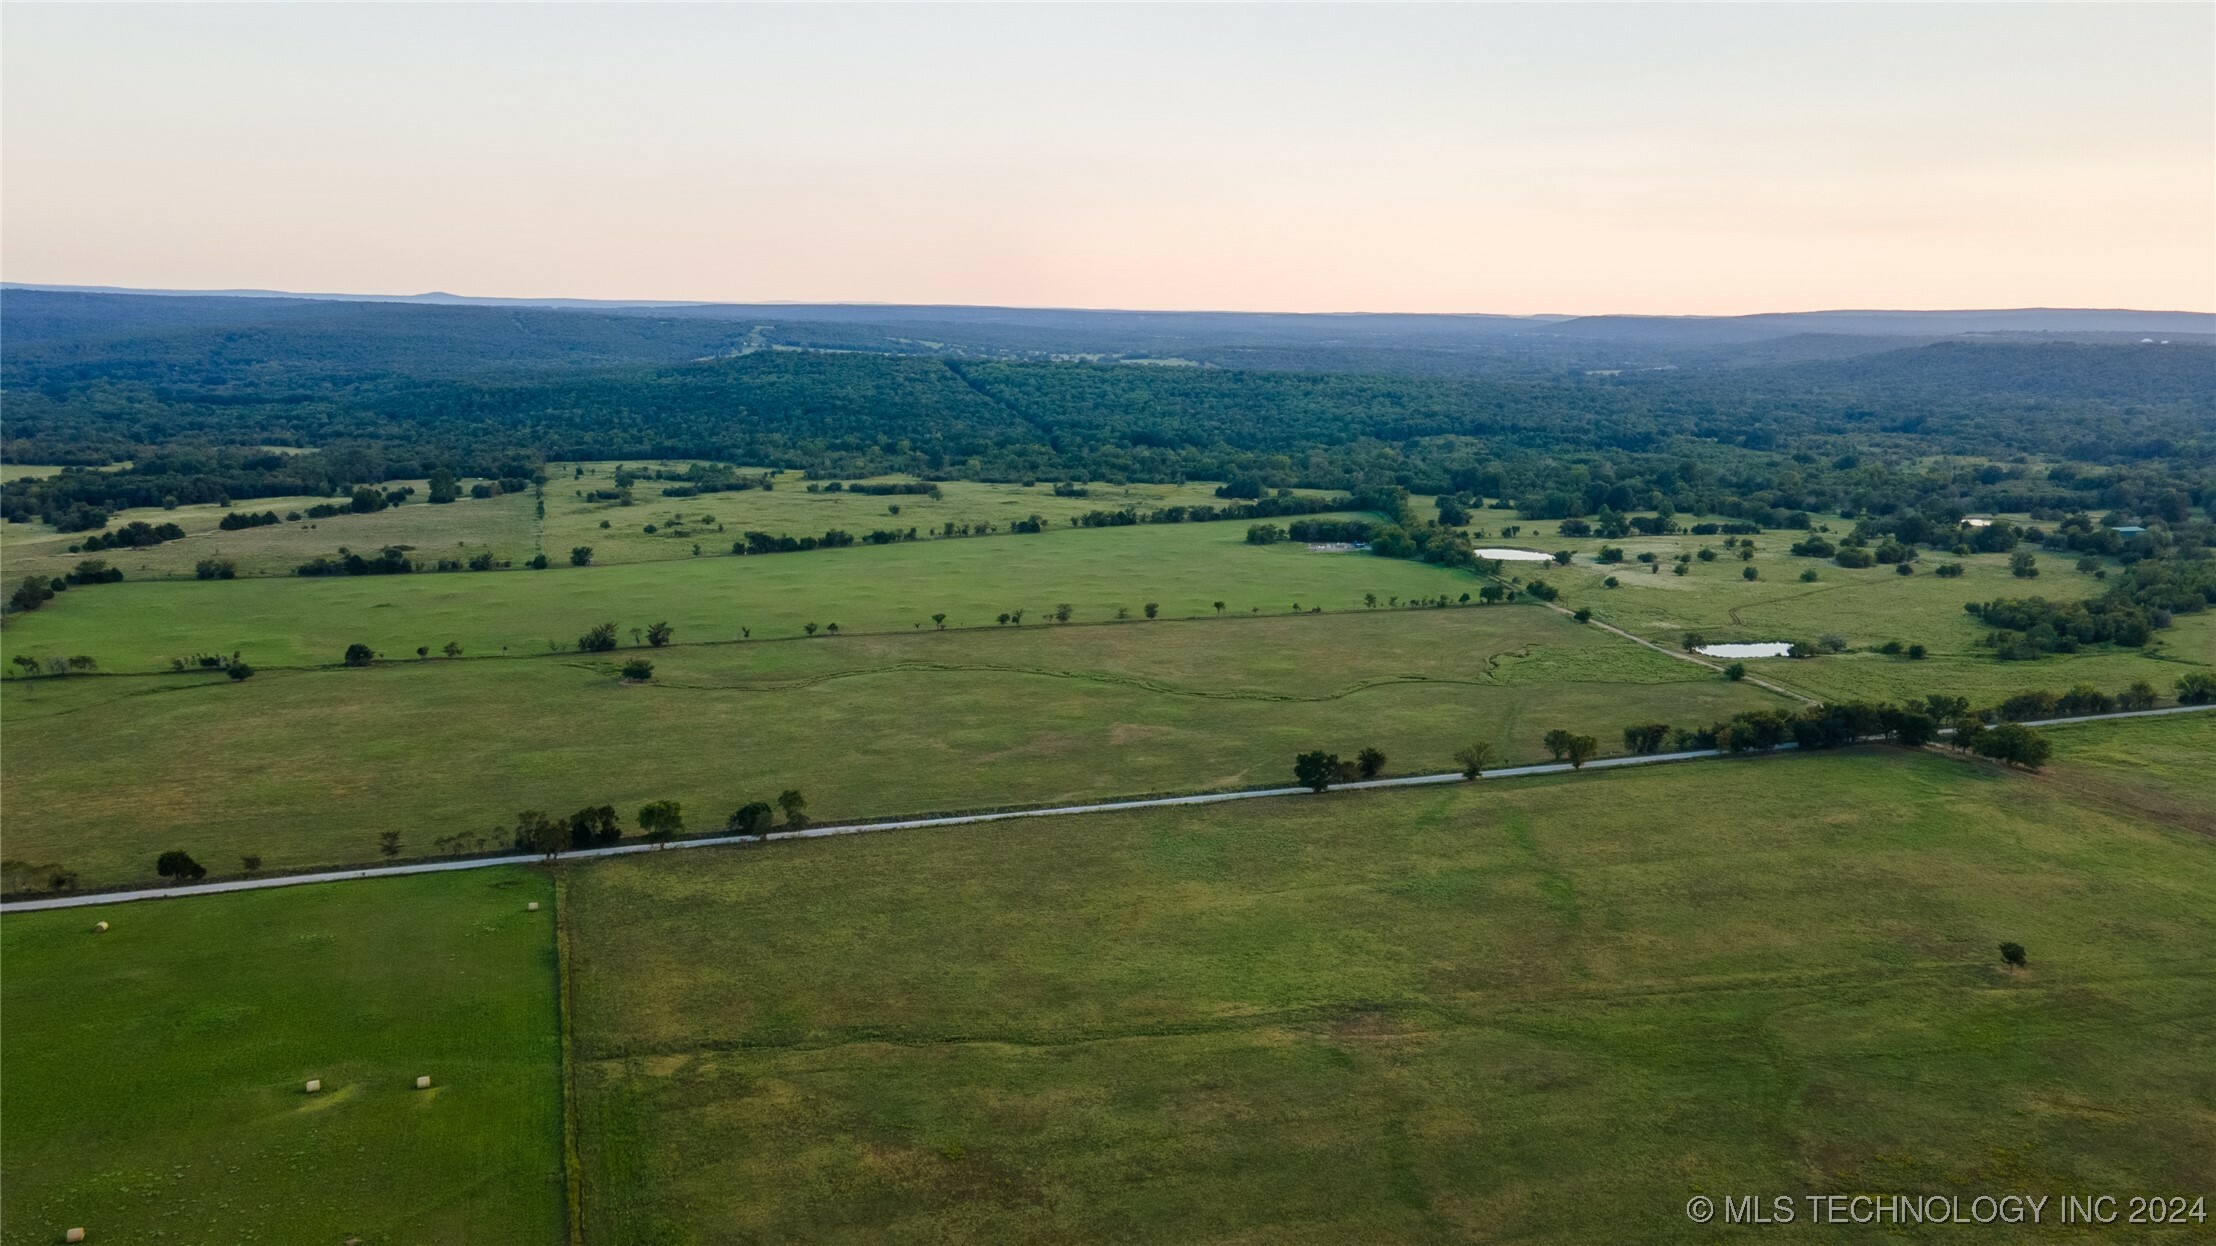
1686 159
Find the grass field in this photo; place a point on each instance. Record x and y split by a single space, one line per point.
154 1072
1536 1010
790 510
307 767
292 622
459 530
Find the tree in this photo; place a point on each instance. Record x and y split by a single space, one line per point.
1562 557
1582 749
239 672
1557 742
178 864
452 650
809 628
658 634
2013 953
358 654
660 820
249 863
1584 614
2140 696
1316 770
2198 688
1473 758
2023 565
1646 737
1369 761
1152 609
1750 573
1370 600
2012 744
1735 672
1694 640
1219 607
638 670
938 621
388 843
1062 613
423 651
535 832
795 806
750 819
600 639
581 556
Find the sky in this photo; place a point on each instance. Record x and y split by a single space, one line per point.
1675 159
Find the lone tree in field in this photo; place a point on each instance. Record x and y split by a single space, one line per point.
938 621
1473 758
1749 573
239 672
581 556
1153 608
809 628
388 843
600 639
359 654
638 670
1219 607
1582 749
658 634
178 864
1557 742
660 820
1735 672
795 806
452 649
1369 761
750 819
1062 612
1316 770
2013 953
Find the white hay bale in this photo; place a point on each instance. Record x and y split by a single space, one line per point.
100 928
423 1083
74 1235
314 1084
532 907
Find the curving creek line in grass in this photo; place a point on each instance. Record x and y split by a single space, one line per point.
960 819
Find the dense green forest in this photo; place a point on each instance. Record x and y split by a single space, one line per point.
193 400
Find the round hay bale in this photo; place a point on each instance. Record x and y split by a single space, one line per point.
100 928
423 1083
314 1085
74 1235
532 907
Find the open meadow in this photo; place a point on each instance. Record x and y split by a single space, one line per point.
307 767
1184 568
1543 1010
154 1072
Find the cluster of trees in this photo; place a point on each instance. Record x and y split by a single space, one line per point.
28 667
391 560
237 520
757 818
137 534
1317 769
18 876
601 637
764 543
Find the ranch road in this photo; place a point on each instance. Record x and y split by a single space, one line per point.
962 819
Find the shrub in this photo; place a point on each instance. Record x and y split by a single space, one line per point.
638 670
2198 688
1316 770
179 865
1735 672
2013 953
358 654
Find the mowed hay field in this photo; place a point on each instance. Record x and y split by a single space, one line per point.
1535 1010
155 1072
1186 568
308 767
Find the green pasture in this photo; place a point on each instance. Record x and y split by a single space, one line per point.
1186 568
307 767
1534 1010
457 530
154 1073
713 521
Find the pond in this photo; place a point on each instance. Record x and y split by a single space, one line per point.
1766 649
1513 555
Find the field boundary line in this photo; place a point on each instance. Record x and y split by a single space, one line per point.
956 819
1695 659
573 1164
